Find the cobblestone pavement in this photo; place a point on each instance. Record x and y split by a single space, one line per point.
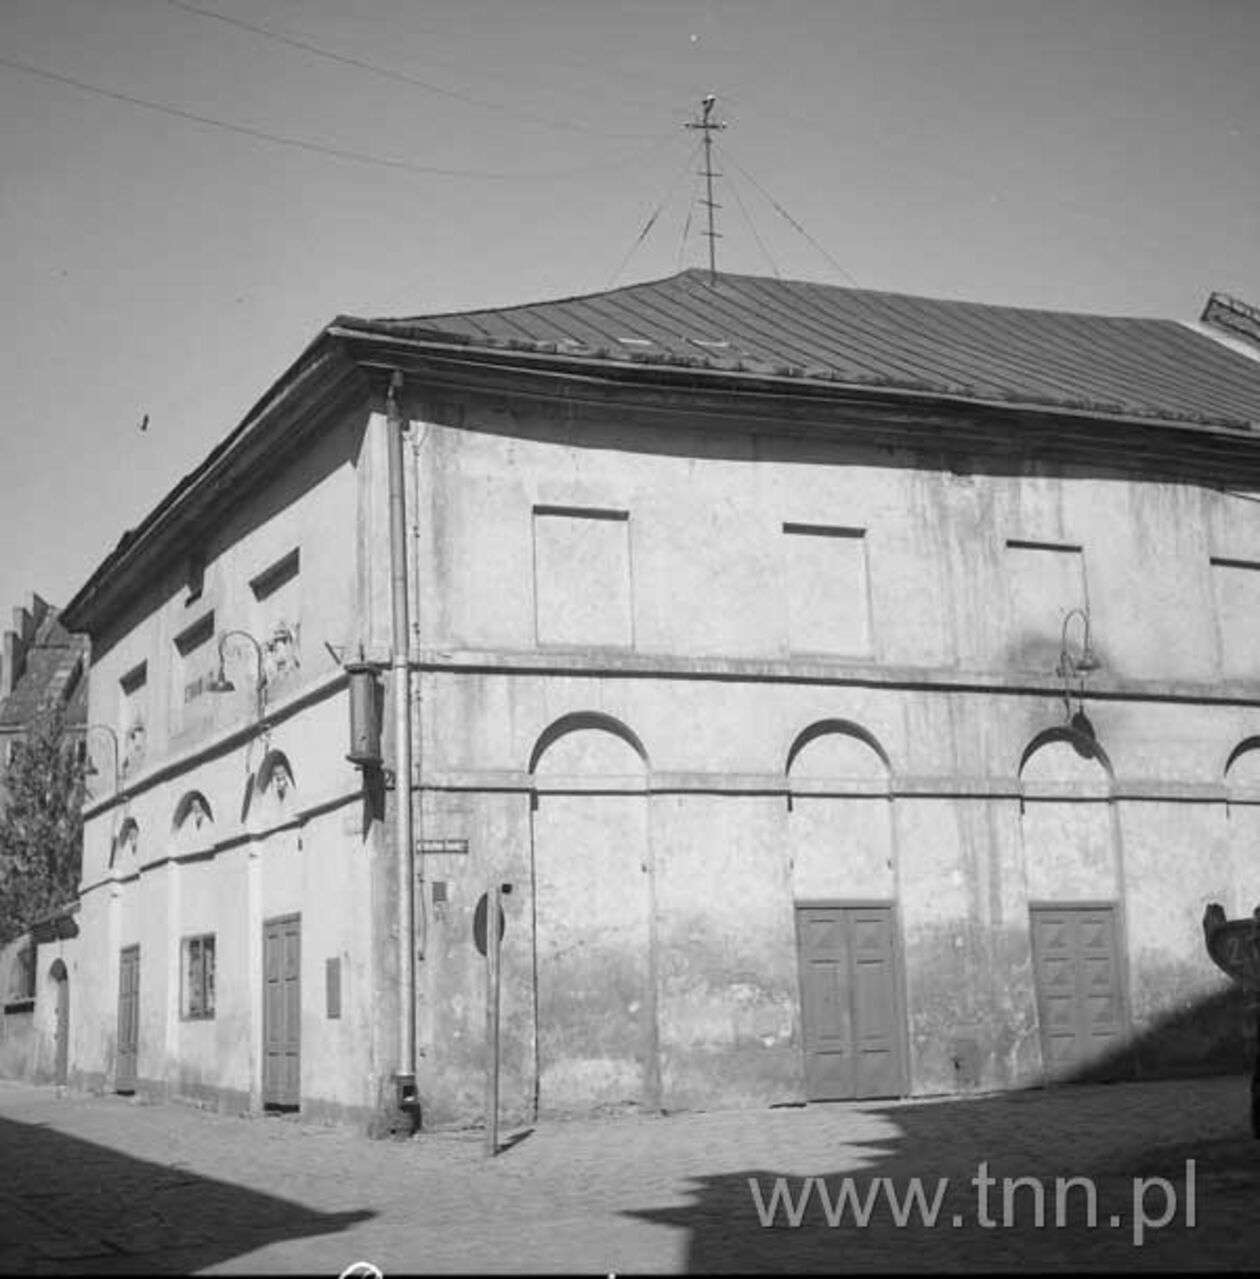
103 1185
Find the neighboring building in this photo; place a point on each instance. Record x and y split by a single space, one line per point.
1237 319
859 693
37 970
42 665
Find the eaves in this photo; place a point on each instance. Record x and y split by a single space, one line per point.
297 406
1214 452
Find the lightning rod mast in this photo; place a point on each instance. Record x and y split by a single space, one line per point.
709 126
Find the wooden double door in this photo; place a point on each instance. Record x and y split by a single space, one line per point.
851 1006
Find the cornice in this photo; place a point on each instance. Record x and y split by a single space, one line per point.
887 416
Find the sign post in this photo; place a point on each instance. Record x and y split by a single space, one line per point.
489 939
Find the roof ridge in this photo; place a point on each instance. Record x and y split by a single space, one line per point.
569 297
773 282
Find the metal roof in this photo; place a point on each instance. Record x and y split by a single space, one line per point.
820 332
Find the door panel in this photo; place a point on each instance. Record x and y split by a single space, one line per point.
851 1009
827 1007
1077 967
282 1012
126 1069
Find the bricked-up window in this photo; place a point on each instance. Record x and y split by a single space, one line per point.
23 979
582 576
1236 584
1045 582
198 981
195 576
133 716
134 680
277 575
827 590
276 615
194 667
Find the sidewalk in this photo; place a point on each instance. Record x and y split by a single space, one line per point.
103 1185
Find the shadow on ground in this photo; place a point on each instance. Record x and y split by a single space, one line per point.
70 1206
1153 1209
1209 1035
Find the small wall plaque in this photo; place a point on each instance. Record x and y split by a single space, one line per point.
459 846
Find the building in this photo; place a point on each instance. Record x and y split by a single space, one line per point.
857 693
42 665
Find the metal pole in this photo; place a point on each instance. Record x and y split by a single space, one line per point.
405 1077
492 1021
708 125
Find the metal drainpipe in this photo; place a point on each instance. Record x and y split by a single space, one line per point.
417 832
405 1077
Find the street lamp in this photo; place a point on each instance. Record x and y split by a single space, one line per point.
221 684
91 770
1077 668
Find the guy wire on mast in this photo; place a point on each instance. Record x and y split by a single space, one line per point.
709 125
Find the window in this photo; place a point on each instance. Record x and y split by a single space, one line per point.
582 576
828 597
198 995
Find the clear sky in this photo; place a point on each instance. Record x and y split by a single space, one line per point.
1096 155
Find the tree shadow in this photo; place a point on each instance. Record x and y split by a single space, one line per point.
72 1207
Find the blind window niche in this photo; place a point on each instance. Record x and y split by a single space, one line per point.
1045 582
133 717
277 614
829 607
193 669
582 577
1236 588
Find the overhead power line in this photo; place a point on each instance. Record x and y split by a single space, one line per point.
301 144
390 73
